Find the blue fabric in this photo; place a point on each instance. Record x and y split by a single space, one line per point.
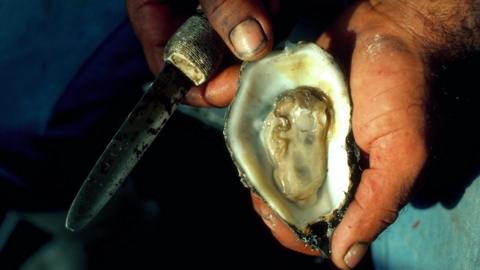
433 238
43 45
61 94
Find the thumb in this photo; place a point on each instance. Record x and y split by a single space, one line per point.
382 191
366 216
243 25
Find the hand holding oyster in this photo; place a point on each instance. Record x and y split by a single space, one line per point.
288 131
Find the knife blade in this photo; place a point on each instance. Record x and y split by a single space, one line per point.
191 55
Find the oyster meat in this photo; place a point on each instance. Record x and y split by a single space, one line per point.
289 133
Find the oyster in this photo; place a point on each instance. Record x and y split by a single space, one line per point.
288 131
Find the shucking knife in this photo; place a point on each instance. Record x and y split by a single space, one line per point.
191 55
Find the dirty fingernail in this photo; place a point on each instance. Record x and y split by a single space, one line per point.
247 38
355 254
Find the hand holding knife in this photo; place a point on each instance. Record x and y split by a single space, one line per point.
191 56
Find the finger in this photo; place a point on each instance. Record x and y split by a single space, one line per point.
196 97
154 22
388 93
243 25
218 91
222 88
279 229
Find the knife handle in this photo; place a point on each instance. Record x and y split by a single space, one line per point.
195 49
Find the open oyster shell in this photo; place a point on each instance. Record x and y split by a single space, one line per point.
289 133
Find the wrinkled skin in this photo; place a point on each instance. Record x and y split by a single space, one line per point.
383 45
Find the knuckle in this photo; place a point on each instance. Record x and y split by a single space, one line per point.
373 196
214 8
387 216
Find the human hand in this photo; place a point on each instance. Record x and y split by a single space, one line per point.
243 25
388 48
388 77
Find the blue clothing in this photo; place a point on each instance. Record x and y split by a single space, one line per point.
61 93
433 238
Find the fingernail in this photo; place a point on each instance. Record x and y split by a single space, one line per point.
355 254
247 38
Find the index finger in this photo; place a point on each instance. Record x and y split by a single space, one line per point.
154 22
